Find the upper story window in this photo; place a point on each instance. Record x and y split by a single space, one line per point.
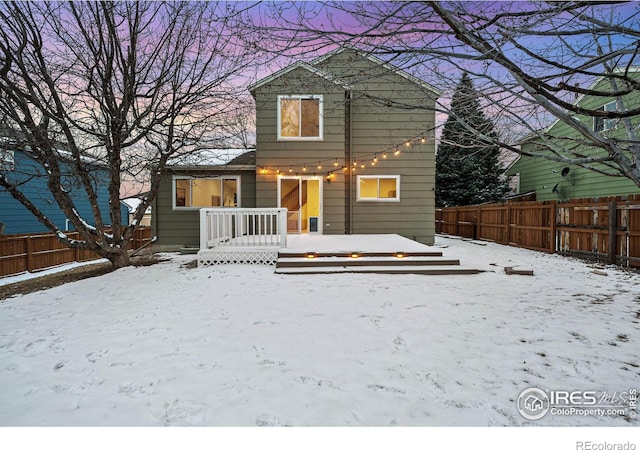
378 188
191 192
602 124
300 117
7 161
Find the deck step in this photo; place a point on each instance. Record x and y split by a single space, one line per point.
365 261
285 254
420 263
399 270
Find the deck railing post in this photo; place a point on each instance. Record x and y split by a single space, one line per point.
282 214
203 229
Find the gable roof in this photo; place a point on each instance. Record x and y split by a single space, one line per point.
592 86
379 62
299 65
312 67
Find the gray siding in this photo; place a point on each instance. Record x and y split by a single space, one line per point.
377 125
274 154
176 229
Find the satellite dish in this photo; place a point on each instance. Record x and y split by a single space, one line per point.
555 188
565 172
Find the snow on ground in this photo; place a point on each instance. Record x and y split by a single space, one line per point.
240 345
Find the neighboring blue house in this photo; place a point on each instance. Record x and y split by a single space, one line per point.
17 219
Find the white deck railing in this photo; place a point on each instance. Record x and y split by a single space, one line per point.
243 227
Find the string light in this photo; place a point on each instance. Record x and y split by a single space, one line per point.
395 149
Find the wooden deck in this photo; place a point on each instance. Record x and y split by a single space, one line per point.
363 253
390 254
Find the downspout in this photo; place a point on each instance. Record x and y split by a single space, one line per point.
348 159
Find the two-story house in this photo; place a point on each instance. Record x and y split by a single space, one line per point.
344 142
550 180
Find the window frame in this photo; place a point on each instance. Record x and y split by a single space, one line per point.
7 160
174 178
602 124
395 199
299 97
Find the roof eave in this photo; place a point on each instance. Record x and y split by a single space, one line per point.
382 63
299 65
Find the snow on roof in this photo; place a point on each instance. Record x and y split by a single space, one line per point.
214 157
133 202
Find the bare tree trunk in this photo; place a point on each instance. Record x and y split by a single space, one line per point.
94 91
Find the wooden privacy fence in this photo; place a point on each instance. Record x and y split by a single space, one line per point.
605 229
33 252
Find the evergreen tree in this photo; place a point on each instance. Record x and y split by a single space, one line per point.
468 169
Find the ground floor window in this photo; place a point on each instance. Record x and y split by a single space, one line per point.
378 188
192 192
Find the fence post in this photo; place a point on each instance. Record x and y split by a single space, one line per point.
507 233
456 217
29 254
553 223
613 231
478 226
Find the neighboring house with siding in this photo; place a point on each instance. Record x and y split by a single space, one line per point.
342 142
556 181
18 167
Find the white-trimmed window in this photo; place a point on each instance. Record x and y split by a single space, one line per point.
603 124
194 192
7 160
300 117
378 188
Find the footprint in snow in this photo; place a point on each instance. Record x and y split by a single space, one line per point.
383 388
94 356
268 420
400 344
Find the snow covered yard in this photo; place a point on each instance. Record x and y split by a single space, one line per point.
240 345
